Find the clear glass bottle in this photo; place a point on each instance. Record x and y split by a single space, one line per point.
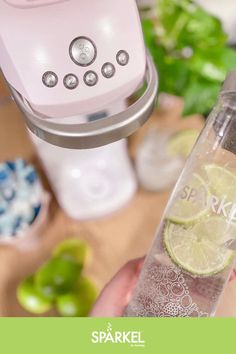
193 255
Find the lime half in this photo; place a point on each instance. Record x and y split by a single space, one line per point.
221 181
198 249
181 143
192 205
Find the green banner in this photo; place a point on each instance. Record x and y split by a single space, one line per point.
120 335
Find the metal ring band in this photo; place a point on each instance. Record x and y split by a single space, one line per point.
101 132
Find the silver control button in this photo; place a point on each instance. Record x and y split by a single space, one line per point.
83 51
90 78
108 70
122 57
71 81
50 79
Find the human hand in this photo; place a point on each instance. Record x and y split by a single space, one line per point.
233 275
117 293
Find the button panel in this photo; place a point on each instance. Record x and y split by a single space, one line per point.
50 79
71 81
83 51
90 78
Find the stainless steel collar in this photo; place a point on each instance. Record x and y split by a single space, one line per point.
101 132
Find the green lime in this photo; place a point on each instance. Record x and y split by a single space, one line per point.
88 292
222 181
72 248
199 249
217 229
69 305
181 143
190 210
58 276
30 299
79 302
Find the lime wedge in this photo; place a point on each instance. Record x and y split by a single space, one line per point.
181 143
221 181
191 210
198 249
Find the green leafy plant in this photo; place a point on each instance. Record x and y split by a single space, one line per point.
189 48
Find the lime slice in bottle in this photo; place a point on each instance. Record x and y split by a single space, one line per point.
217 229
221 181
195 207
198 250
30 299
181 143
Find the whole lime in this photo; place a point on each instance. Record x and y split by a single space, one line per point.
79 302
72 248
69 305
56 277
30 299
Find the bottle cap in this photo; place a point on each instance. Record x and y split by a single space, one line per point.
229 85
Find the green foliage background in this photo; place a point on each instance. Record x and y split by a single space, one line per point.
190 50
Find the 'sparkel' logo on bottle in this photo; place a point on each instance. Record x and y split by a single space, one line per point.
219 206
132 338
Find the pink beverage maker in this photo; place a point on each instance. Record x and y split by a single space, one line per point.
71 65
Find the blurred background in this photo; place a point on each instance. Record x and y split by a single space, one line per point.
70 220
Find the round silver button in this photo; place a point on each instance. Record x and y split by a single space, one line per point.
50 79
71 81
108 70
90 78
83 51
122 57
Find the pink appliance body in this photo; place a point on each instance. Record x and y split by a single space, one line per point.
35 37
